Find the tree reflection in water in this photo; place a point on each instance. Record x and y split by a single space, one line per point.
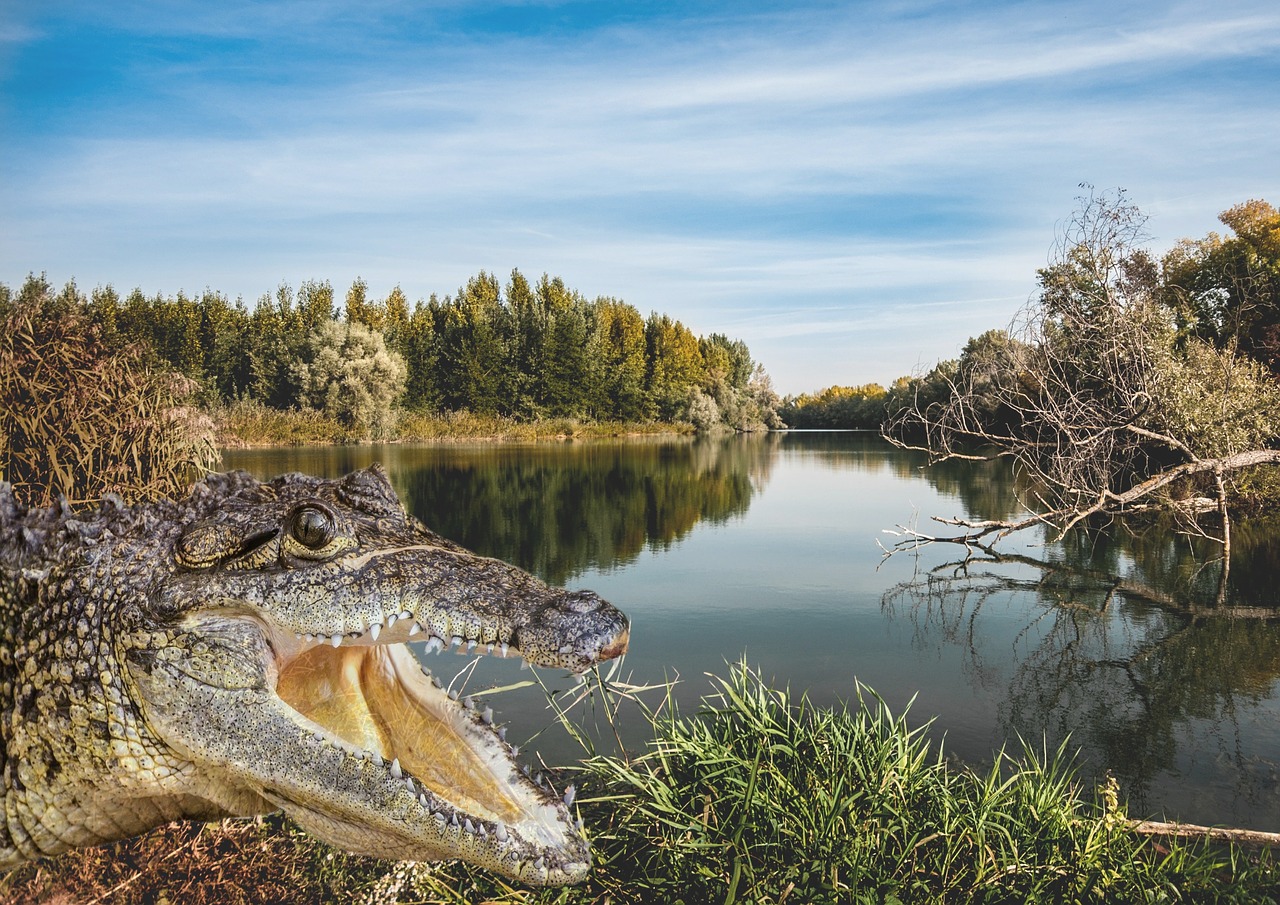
558 510
1125 668
1121 637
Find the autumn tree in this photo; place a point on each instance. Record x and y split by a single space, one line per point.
616 361
1226 290
674 366
1094 397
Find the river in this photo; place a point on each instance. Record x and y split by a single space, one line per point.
770 548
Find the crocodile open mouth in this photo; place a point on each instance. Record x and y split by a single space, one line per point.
379 701
370 696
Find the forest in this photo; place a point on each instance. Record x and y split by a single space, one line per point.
524 350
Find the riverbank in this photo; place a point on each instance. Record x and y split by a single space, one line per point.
761 797
250 424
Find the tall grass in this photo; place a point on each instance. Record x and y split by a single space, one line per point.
248 423
761 797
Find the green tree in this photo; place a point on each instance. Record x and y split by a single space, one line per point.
1226 290
419 346
616 362
476 367
224 338
674 367
560 389
277 334
348 373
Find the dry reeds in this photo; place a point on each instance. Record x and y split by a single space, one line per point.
80 420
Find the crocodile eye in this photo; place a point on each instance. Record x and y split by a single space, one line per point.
312 526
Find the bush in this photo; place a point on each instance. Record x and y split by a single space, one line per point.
79 420
349 374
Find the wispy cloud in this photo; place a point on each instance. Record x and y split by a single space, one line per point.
809 176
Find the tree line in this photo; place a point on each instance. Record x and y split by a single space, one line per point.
1219 294
526 350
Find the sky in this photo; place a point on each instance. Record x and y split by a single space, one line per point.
853 189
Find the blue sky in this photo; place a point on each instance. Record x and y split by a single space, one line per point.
853 189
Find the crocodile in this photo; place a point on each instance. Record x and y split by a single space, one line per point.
247 649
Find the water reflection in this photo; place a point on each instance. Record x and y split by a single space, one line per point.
1124 667
766 545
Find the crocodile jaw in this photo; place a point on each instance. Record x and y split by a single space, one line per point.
378 704
360 747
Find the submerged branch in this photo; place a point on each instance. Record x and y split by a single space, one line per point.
1232 835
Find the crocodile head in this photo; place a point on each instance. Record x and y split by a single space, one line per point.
266 663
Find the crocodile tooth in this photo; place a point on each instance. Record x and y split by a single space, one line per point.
435 645
539 865
515 752
298 635
391 620
405 614
422 799
471 645
408 781
487 715
455 641
453 819
469 702
336 639
375 630
484 833
469 826
414 629
500 832
502 733
569 793
377 758
503 648
435 680
309 638
489 649
581 824
395 768
453 694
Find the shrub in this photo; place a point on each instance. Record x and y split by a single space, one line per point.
79 420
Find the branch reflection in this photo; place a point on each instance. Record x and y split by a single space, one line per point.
1137 673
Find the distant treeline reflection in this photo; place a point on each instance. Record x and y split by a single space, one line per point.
558 510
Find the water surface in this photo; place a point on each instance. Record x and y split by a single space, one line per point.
769 548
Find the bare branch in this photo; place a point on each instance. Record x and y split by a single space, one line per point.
1102 409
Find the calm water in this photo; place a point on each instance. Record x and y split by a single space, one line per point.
766 548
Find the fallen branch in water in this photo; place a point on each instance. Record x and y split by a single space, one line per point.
1250 838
